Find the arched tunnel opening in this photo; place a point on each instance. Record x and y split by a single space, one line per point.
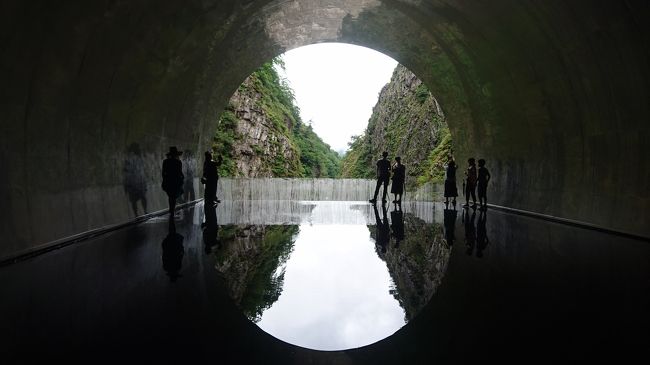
554 94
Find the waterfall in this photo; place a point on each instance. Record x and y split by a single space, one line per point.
305 189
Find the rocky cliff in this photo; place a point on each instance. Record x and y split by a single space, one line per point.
248 258
417 262
408 122
260 134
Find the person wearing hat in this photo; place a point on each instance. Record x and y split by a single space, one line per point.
383 175
172 175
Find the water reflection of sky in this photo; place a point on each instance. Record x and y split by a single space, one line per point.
336 291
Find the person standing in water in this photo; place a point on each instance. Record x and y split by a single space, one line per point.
470 182
451 191
399 177
210 179
383 175
172 176
483 179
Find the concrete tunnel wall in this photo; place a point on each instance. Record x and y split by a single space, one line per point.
553 94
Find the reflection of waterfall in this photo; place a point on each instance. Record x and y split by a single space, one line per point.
417 265
250 259
309 189
276 212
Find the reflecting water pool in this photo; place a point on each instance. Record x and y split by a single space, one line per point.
335 275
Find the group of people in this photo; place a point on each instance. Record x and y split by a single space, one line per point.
384 170
173 178
475 179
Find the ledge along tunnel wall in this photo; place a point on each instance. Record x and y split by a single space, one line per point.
553 94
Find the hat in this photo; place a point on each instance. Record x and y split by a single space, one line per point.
173 151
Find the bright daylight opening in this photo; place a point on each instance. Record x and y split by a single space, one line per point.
311 262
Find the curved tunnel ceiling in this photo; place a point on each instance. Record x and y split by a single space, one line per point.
554 95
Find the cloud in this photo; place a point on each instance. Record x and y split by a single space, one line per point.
336 86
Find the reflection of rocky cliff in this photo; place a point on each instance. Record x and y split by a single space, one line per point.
249 260
417 265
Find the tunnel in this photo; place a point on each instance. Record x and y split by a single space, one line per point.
554 94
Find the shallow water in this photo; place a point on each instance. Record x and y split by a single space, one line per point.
472 286
345 276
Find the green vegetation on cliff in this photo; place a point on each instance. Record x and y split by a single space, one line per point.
261 134
407 122
250 262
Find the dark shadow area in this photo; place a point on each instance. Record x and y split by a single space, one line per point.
135 181
544 292
189 170
397 224
383 228
470 231
172 253
450 226
210 229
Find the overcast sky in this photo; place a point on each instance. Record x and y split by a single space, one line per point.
336 292
336 85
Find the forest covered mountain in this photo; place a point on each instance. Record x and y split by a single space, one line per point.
261 134
407 122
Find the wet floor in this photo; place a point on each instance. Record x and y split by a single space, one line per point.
347 275
428 283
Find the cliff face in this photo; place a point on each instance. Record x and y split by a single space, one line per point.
260 134
417 264
406 121
248 258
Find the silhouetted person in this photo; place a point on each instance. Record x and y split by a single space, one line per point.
189 163
210 179
482 240
399 177
397 222
172 175
383 229
483 179
470 182
135 183
172 253
470 231
451 191
210 229
383 175
450 226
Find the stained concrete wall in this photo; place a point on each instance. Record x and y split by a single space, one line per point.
553 94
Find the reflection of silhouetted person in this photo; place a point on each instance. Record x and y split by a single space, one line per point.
481 234
383 175
483 179
172 255
383 229
470 182
190 169
397 222
210 179
451 191
172 175
470 231
399 176
135 183
210 229
450 226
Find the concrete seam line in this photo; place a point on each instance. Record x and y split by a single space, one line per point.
80 237
570 222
